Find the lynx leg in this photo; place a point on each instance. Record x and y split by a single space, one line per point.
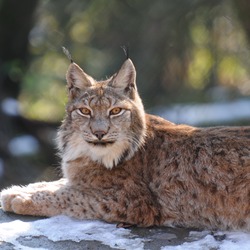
47 199
54 198
31 199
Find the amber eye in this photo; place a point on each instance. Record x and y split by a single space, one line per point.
85 111
115 111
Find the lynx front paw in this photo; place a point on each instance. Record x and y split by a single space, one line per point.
39 199
14 200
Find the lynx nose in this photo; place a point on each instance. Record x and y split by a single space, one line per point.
99 134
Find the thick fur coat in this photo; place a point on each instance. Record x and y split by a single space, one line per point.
122 165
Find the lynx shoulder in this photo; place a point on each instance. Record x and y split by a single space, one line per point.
122 165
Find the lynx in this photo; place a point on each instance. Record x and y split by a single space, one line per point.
124 166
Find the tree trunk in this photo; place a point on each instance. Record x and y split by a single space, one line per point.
16 21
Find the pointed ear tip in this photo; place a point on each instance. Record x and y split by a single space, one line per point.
74 66
129 62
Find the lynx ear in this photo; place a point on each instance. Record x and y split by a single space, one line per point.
77 79
126 76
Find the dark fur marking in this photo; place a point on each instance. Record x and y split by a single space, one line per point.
194 196
106 208
121 215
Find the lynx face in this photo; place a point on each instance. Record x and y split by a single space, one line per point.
105 120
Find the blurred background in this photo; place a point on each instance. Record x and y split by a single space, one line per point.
192 59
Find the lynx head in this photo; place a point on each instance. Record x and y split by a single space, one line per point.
105 120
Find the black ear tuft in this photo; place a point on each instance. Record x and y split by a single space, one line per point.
66 52
125 48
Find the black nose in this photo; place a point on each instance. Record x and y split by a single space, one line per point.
99 134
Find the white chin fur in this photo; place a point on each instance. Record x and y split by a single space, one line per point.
109 155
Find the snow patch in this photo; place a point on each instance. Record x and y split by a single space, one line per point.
195 114
64 228
220 241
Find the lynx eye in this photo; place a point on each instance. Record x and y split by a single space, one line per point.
115 111
84 111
